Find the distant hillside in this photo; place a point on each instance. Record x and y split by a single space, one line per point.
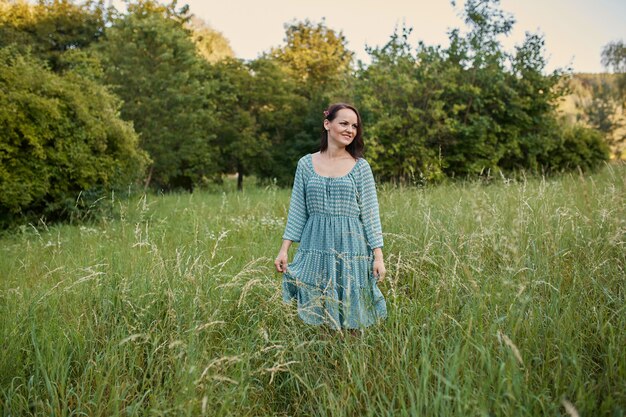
581 87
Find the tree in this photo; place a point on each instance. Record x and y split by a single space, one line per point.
239 141
577 146
60 137
316 56
614 58
211 44
316 63
151 63
51 28
530 119
278 110
400 105
604 107
607 111
466 109
603 111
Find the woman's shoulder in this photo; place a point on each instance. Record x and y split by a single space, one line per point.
363 161
304 160
362 171
304 163
363 165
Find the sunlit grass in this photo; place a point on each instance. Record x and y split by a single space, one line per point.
504 299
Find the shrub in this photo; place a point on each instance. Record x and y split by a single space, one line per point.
60 135
577 147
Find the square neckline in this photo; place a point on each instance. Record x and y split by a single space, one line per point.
332 178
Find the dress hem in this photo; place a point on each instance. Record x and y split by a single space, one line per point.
374 322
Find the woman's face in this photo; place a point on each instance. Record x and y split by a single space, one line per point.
342 129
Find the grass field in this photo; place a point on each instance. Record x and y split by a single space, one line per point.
505 299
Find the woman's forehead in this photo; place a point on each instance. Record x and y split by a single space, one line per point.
347 114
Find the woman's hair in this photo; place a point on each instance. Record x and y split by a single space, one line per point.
355 148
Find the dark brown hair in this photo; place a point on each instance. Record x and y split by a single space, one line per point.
355 148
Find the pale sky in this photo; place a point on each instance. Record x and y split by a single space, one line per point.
574 30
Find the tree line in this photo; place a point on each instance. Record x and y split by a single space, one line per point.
94 99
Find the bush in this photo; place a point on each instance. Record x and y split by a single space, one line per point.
577 147
60 136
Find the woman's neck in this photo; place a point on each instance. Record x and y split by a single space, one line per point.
335 152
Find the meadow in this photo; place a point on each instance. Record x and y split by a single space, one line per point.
506 297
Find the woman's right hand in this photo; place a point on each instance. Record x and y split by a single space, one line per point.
281 261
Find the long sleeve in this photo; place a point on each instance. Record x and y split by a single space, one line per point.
298 215
368 202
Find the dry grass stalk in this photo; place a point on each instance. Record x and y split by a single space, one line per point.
512 346
569 408
281 367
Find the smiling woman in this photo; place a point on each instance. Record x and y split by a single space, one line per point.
334 215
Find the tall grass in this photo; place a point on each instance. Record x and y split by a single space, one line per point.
505 299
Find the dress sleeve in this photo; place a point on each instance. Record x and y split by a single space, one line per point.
368 202
297 217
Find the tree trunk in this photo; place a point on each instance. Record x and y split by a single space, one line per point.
239 178
147 183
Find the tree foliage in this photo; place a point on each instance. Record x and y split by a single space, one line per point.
50 28
607 110
402 108
240 143
151 63
316 66
614 58
60 136
465 109
601 99
74 70
211 44
315 55
277 107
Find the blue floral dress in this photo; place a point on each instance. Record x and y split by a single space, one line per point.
336 220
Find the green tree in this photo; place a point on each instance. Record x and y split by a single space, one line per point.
316 63
316 56
278 109
60 136
151 63
465 109
211 44
614 58
577 146
401 109
529 117
147 8
607 110
50 28
239 142
603 112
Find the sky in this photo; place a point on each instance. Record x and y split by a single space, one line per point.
574 31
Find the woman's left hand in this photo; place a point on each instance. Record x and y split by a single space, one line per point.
379 269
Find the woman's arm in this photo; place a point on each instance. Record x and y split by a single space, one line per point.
296 218
379 264
298 215
371 220
281 260
368 201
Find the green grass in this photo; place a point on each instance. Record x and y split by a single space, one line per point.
504 299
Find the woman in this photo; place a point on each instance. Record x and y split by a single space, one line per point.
333 213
